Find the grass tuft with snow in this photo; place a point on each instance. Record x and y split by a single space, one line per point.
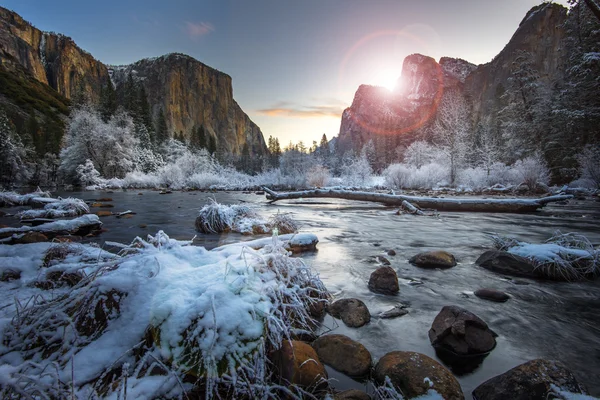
219 218
69 207
160 319
567 256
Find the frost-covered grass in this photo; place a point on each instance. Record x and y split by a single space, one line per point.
159 319
69 207
218 218
567 256
387 391
15 199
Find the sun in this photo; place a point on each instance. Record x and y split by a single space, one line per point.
388 78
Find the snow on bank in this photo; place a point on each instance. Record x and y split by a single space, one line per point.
155 317
15 199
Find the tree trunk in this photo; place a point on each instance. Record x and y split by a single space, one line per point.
439 204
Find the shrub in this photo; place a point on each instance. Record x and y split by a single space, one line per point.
533 171
318 176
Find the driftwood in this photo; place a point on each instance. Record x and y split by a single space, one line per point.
439 204
408 207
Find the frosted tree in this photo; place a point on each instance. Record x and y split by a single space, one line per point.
488 151
451 131
357 171
419 153
87 173
111 146
13 168
589 165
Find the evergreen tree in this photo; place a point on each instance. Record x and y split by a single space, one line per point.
12 154
162 131
212 144
130 97
144 114
108 101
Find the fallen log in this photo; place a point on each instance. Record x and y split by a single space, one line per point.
439 204
79 226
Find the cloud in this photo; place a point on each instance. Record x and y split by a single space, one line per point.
195 30
286 109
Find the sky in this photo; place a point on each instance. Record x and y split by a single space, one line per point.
295 65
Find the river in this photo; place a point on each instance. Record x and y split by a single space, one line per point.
551 320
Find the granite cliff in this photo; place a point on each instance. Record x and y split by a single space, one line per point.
189 93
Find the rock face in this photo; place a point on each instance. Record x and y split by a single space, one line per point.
353 312
414 374
384 280
192 94
51 58
297 363
343 354
434 259
529 381
189 93
461 332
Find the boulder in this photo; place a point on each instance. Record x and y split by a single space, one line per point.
503 262
302 242
492 295
297 363
353 312
31 237
461 332
414 374
343 354
391 252
397 311
434 259
383 261
384 280
352 394
532 380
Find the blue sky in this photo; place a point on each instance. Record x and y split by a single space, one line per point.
295 64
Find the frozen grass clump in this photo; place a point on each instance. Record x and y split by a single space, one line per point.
568 256
218 218
160 320
69 207
221 218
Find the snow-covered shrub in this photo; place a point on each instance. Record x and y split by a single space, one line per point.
318 176
398 176
357 172
430 176
160 314
567 256
419 153
589 166
474 178
533 171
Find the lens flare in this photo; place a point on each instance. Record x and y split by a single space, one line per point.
399 96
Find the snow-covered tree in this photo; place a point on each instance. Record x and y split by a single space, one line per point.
451 131
419 153
357 172
87 173
589 165
111 146
13 168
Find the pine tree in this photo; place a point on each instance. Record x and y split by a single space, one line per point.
212 144
162 131
144 115
130 97
108 101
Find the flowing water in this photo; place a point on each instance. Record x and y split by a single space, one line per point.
551 320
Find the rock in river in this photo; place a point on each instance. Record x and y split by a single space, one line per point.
297 363
532 380
343 354
461 332
503 262
384 280
492 295
414 374
353 312
434 259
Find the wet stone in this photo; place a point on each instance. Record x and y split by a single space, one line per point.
434 259
492 295
343 354
384 280
352 312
